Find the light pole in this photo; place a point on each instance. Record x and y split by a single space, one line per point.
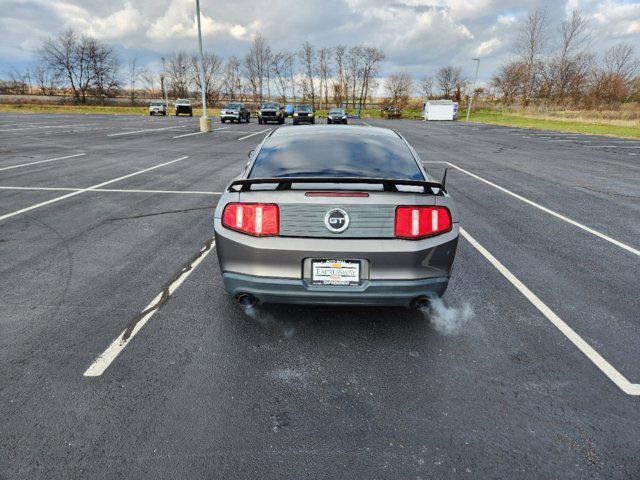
473 88
205 122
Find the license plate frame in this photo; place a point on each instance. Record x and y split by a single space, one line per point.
332 275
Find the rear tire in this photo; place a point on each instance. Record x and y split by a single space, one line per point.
248 118
222 120
295 122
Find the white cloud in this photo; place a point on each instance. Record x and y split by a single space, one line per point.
488 47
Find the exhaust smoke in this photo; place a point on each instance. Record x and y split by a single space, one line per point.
447 320
267 320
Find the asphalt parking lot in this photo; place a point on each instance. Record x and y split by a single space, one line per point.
529 370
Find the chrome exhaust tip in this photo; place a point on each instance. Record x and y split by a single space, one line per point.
422 304
246 300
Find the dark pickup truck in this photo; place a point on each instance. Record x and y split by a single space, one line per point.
271 112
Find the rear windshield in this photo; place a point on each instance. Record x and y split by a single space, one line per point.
157 104
231 106
270 105
304 108
330 155
337 111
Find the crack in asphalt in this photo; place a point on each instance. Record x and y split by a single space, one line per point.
611 194
165 292
153 214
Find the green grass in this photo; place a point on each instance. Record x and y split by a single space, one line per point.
519 121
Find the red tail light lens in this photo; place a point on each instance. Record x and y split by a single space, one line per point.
257 219
421 222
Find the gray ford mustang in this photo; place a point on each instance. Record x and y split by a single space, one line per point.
325 216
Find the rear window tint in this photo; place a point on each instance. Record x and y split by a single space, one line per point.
330 155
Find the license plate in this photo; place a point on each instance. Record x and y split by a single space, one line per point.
335 272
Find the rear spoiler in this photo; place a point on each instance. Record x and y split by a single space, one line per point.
285 183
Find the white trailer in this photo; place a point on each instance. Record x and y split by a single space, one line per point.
440 110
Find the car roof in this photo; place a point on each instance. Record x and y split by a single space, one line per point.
307 130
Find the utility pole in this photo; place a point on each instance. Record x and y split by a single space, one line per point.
473 88
164 86
205 122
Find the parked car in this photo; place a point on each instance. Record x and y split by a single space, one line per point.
271 112
235 112
184 106
304 114
326 216
288 110
157 108
337 115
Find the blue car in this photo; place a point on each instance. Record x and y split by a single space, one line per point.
288 110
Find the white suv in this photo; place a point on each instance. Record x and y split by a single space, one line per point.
158 108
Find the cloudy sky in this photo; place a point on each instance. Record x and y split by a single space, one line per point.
418 36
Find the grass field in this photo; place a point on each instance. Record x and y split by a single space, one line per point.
591 126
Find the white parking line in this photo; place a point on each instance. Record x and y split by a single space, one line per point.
103 361
367 124
78 192
189 134
147 130
41 161
198 133
605 367
612 146
115 190
49 126
257 133
549 211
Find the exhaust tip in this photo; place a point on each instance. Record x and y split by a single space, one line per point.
422 304
246 300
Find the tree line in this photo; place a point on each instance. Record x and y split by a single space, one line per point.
557 65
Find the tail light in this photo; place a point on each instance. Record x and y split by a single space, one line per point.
257 219
420 222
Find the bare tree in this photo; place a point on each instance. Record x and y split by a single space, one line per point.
324 67
339 84
448 79
530 44
256 64
399 86
565 74
179 74
307 56
232 80
46 79
426 87
509 79
354 71
134 73
281 66
371 58
213 81
620 61
105 69
68 55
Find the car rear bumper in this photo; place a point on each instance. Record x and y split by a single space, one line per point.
273 268
370 292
